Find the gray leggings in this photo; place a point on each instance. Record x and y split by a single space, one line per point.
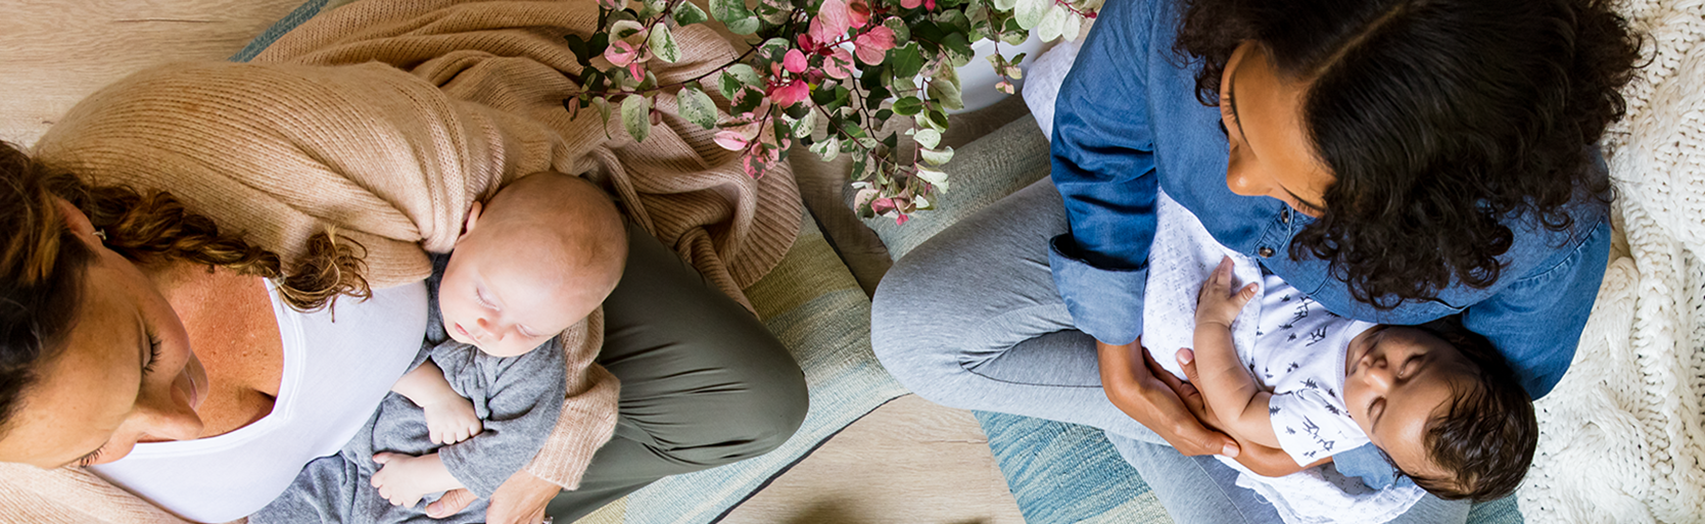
703 382
970 319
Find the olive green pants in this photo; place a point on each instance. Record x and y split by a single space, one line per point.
703 383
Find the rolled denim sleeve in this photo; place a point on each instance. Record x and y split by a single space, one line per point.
1536 322
1103 166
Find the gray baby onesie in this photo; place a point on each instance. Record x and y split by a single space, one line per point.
518 399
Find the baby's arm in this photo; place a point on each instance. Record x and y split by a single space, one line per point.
449 417
404 479
1225 385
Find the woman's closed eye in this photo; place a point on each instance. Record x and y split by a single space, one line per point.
91 458
153 354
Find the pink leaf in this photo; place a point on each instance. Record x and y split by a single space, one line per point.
911 4
621 53
929 5
901 220
794 61
874 44
838 65
858 13
731 140
790 93
831 22
883 205
636 71
613 5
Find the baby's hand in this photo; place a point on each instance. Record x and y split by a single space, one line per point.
451 420
1216 304
404 479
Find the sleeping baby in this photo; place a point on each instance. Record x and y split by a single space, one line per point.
1297 384
534 260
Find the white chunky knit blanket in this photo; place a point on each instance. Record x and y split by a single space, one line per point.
1622 437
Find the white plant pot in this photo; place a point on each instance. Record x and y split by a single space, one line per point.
977 79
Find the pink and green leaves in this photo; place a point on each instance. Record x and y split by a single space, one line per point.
827 74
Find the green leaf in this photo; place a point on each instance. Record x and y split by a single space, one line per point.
730 11
1074 23
651 8
953 20
958 48
934 177
662 43
1005 5
936 156
906 61
581 52
1029 12
746 100
728 85
908 106
902 33
697 107
884 114
626 30
805 125
636 116
945 90
604 109
852 130
597 45
743 26
746 75
927 138
828 149
688 14
1052 24
934 118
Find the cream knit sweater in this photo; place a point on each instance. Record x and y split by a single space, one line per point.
384 121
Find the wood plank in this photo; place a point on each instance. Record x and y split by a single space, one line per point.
909 461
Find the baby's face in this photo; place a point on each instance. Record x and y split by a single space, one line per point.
1397 380
508 297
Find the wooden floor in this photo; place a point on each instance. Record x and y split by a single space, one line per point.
908 462
911 461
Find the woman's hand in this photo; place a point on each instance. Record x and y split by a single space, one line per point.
520 500
1158 400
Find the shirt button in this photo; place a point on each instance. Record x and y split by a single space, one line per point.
1285 216
1266 252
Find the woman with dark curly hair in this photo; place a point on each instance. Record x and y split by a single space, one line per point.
1398 161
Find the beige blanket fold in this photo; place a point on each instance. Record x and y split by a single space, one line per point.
384 121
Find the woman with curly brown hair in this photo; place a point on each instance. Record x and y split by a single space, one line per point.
212 272
1398 161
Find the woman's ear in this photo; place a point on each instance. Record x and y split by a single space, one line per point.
77 222
473 218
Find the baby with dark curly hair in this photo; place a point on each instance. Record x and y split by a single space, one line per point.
1436 399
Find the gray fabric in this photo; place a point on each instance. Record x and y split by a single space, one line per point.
970 319
703 382
517 398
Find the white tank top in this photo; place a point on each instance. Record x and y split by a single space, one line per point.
335 374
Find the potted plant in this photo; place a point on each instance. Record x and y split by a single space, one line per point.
849 65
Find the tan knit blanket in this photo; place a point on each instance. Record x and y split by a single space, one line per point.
384 121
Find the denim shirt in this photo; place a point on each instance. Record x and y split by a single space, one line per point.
1127 120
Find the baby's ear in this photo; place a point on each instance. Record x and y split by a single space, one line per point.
473 217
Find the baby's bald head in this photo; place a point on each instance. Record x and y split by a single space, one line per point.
535 259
